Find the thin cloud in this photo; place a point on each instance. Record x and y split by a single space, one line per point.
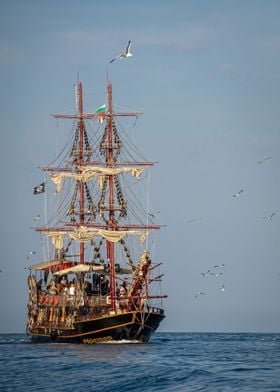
227 68
10 53
182 39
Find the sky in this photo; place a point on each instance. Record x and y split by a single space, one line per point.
207 77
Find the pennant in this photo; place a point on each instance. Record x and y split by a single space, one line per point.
39 189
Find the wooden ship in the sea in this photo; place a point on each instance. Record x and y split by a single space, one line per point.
99 282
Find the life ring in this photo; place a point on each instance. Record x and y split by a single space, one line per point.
47 299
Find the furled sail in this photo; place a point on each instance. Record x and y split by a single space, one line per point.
88 172
80 268
85 234
57 238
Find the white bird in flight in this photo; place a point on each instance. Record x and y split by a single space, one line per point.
222 289
126 53
199 293
36 217
265 159
269 217
238 193
216 274
218 266
193 220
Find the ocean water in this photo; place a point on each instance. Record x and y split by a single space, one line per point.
170 362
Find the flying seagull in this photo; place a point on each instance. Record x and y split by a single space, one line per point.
126 53
269 217
193 220
199 293
30 254
216 274
218 266
222 289
36 217
238 193
265 159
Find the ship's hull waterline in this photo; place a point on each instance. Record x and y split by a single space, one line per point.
131 326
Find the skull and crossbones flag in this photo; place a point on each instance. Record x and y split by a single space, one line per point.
39 189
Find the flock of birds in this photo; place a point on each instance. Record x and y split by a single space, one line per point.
217 274
237 194
269 217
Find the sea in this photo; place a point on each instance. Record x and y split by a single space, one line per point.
169 362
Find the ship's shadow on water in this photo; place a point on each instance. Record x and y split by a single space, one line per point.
170 362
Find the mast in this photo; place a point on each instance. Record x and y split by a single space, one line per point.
81 151
81 161
110 163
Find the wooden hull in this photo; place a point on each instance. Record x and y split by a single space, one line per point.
133 326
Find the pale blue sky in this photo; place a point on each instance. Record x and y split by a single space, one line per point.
207 76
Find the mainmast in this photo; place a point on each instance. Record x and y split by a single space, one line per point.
110 163
81 162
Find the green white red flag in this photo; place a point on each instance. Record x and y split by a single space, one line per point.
100 113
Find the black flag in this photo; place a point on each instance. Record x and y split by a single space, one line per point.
39 189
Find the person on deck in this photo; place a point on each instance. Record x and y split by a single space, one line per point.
53 289
64 281
71 290
104 285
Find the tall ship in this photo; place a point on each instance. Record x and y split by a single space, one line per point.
97 281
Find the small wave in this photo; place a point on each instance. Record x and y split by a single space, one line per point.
162 340
122 341
199 373
14 341
242 369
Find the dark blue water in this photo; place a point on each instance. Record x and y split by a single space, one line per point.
170 362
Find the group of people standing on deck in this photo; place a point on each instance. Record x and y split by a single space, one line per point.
101 286
61 287
98 285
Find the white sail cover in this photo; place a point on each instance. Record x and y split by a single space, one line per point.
85 234
80 268
46 264
57 238
88 172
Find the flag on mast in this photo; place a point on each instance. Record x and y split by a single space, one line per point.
100 113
